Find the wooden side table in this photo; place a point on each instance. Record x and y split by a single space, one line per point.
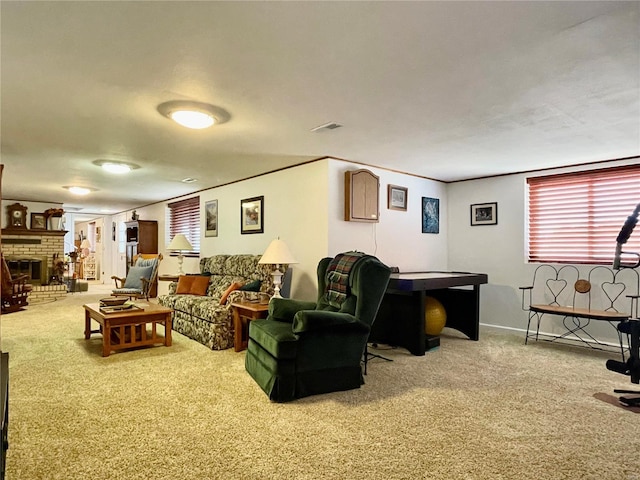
168 278
243 313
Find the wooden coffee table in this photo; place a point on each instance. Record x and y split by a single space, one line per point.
128 328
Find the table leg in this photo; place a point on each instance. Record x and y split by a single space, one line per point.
106 340
237 327
87 325
167 331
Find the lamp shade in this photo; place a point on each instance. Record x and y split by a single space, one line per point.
85 243
179 242
277 253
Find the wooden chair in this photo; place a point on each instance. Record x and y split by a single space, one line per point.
15 290
140 281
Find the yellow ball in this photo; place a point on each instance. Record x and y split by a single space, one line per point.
435 316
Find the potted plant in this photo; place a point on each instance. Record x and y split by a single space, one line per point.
54 218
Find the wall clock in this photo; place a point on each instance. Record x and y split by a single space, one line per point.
17 217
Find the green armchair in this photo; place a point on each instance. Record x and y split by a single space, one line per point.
307 348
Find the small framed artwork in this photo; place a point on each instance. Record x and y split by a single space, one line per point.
38 221
484 214
252 215
211 218
430 215
396 197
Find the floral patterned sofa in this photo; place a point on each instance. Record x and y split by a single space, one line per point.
201 317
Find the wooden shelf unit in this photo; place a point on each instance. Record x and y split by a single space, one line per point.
361 196
142 237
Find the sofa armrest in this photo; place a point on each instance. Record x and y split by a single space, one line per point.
318 320
284 309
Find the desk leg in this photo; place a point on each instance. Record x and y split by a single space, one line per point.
400 322
463 309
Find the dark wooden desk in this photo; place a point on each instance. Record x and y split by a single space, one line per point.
400 319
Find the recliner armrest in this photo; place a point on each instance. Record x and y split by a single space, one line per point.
317 320
284 309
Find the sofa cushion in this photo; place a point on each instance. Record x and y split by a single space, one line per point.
199 285
134 276
220 284
209 310
251 286
225 295
213 265
184 284
182 303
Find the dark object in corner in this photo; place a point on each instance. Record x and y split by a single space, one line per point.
632 366
4 411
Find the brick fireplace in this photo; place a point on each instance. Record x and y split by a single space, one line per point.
31 252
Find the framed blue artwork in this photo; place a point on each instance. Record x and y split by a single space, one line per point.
430 215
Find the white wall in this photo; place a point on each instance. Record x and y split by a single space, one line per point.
304 206
397 239
295 202
499 250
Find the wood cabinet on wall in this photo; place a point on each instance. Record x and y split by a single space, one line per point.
361 196
142 237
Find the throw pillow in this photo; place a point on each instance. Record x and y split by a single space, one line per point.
199 285
134 276
184 285
225 295
146 262
252 286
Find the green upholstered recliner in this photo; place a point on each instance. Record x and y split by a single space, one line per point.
306 348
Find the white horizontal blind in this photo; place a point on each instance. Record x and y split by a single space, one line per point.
184 217
576 217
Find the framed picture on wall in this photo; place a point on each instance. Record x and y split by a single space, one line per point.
211 218
252 215
396 197
430 215
484 214
38 221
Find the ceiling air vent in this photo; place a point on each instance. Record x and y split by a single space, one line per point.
326 126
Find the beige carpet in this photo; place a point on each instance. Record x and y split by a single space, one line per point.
493 409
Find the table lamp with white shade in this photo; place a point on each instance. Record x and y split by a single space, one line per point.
180 244
277 253
85 247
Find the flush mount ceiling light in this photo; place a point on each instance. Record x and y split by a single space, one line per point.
115 166
326 126
194 115
79 190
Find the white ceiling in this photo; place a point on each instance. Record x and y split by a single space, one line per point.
446 90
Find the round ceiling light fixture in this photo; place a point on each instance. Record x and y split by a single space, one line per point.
115 166
195 115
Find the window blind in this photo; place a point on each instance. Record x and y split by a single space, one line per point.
184 217
576 217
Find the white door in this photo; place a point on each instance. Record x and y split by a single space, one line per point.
119 256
